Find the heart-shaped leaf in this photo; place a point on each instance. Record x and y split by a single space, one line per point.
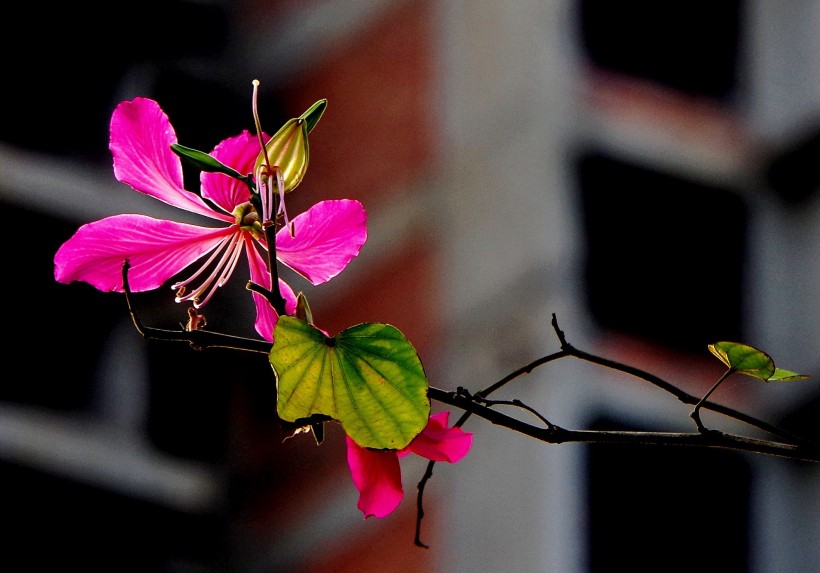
744 359
752 362
368 378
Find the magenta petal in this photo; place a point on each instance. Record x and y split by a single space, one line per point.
289 296
328 236
266 317
439 443
156 249
141 138
239 153
377 476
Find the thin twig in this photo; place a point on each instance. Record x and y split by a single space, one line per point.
695 415
793 447
558 435
197 339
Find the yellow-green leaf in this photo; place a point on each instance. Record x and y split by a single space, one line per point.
781 375
368 377
752 362
744 359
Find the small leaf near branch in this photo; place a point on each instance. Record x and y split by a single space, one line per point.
744 359
368 378
752 362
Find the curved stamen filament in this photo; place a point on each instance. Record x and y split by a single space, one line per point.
280 184
263 173
266 172
263 183
257 122
234 258
205 265
228 250
267 182
231 259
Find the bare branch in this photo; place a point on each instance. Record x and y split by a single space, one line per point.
196 338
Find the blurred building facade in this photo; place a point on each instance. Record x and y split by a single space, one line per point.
645 172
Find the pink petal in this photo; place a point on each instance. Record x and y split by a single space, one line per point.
156 249
377 476
328 236
141 138
239 153
439 443
266 317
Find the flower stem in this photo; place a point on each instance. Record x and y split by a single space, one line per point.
276 299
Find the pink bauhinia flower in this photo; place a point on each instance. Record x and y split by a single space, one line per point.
377 475
327 236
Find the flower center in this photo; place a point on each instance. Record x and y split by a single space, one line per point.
247 219
224 257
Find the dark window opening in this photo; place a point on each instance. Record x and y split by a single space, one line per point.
60 522
56 335
666 509
665 255
688 46
62 104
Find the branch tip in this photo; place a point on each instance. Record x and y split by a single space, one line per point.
560 334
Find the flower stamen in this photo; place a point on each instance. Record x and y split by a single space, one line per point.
234 258
229 250
269 177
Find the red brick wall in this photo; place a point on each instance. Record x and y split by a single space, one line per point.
378 129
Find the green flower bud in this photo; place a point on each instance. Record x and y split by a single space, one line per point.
288 149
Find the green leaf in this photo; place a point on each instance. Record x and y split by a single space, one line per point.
781 375
368 378
314 114
204 162
744 359
752 362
